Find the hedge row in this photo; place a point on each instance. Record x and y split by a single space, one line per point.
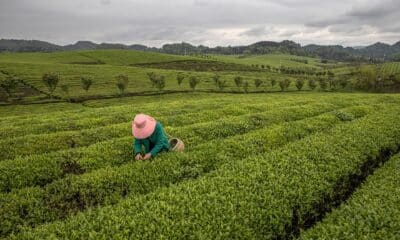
111 116
161 109
373 211
89 118
269 196
106 186
44 143
38 170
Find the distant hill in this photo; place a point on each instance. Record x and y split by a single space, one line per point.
13 45
378 51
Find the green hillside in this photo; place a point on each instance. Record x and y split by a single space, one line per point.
112 57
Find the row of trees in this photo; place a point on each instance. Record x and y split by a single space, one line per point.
295 71
52 80
158 82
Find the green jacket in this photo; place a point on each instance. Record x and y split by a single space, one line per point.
154 144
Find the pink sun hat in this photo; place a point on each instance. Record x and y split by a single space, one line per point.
143 126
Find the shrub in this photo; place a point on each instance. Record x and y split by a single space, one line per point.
122 83
312 84
160 82
193 81
323 83
284 84
299 84
221 84
180 77
51 80
216 78
9 85
258 82
86 83
343 82
152 78
238 81
246 86
273 83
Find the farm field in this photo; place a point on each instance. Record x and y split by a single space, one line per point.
103 66
274 60
256 166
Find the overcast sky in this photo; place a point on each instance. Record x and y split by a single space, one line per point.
207 22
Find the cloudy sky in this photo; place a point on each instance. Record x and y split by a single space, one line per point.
207 22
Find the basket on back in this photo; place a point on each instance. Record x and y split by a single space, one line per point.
177 145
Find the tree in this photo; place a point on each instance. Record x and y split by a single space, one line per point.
193 81
284 84
160 83
238 81
312 84
216 78
86 83
122 83
179 78
299 84
333 83
323 84
221 84
246 86
257 82
273 82
152 78
343 82
51 80
9 85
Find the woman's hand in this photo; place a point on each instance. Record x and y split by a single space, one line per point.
147 156
138 156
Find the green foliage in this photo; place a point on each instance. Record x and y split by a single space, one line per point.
9 85
258 82
216 79
276 199
50 80
152 77
284 84
124 178
193 82
246 86
372 212
238 81
273 82
160 83
323 83
122 83
312 84
299 84
221 84
344 116
343 82
86 83
180 77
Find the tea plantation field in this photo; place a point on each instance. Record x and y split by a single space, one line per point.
103 66
303 165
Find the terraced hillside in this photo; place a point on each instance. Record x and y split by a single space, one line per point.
103 66
255 167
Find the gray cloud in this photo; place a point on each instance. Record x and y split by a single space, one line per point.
212 22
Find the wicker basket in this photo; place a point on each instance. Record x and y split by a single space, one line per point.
177 145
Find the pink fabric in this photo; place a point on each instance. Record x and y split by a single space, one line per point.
143 126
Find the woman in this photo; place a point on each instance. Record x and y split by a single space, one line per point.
148 133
